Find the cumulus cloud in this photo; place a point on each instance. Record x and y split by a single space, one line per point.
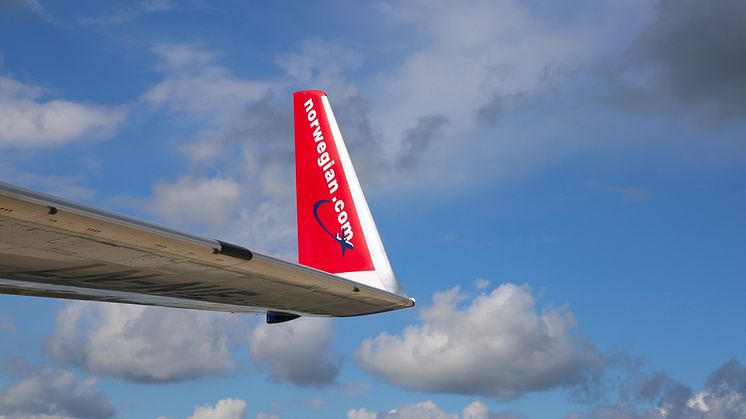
112 18
321 63
255 205
299 352
241 128
385 136
244 126
67 186
314 403
145 344
327 64
430 103
157 5
658 396
725 393
373 163
417 139
125 15
696 51
498 345
32 6
248 134
223 409
426 409
625 193
51 393
192 200
507 49
28 120
6 324
482 283
491 111
429 410
196 85
476 410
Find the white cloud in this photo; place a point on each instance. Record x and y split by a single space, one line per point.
240 130
253 203
625 193
476 410
299 351
6 324
424 410
658 396
114 18
482 283
724 396
35 7
499 345
506 51
406 128
408 125
183 57
361 413
224 409
321 63
146 344
26 120
51 393
255 213
693 55
428 410
157 5
314 403
721 402
61 185
355 388
211 202
198 87
125 15
270 225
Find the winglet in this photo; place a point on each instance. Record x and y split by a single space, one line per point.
336 231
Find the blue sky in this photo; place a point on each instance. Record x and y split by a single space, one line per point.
561 187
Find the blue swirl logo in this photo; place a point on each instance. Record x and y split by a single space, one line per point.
339 237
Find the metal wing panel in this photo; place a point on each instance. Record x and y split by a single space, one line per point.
50 247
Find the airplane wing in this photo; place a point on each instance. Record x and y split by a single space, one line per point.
52 247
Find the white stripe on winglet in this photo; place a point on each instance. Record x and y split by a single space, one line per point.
373 239
369 278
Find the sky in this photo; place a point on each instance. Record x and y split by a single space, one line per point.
560 185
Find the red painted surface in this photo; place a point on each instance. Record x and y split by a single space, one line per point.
341 247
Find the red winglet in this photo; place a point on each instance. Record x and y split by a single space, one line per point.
330 236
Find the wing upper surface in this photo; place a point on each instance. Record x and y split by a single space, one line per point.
57 248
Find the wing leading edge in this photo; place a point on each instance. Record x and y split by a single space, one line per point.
52 247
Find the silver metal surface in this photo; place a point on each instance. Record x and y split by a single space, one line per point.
55 248
29 195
